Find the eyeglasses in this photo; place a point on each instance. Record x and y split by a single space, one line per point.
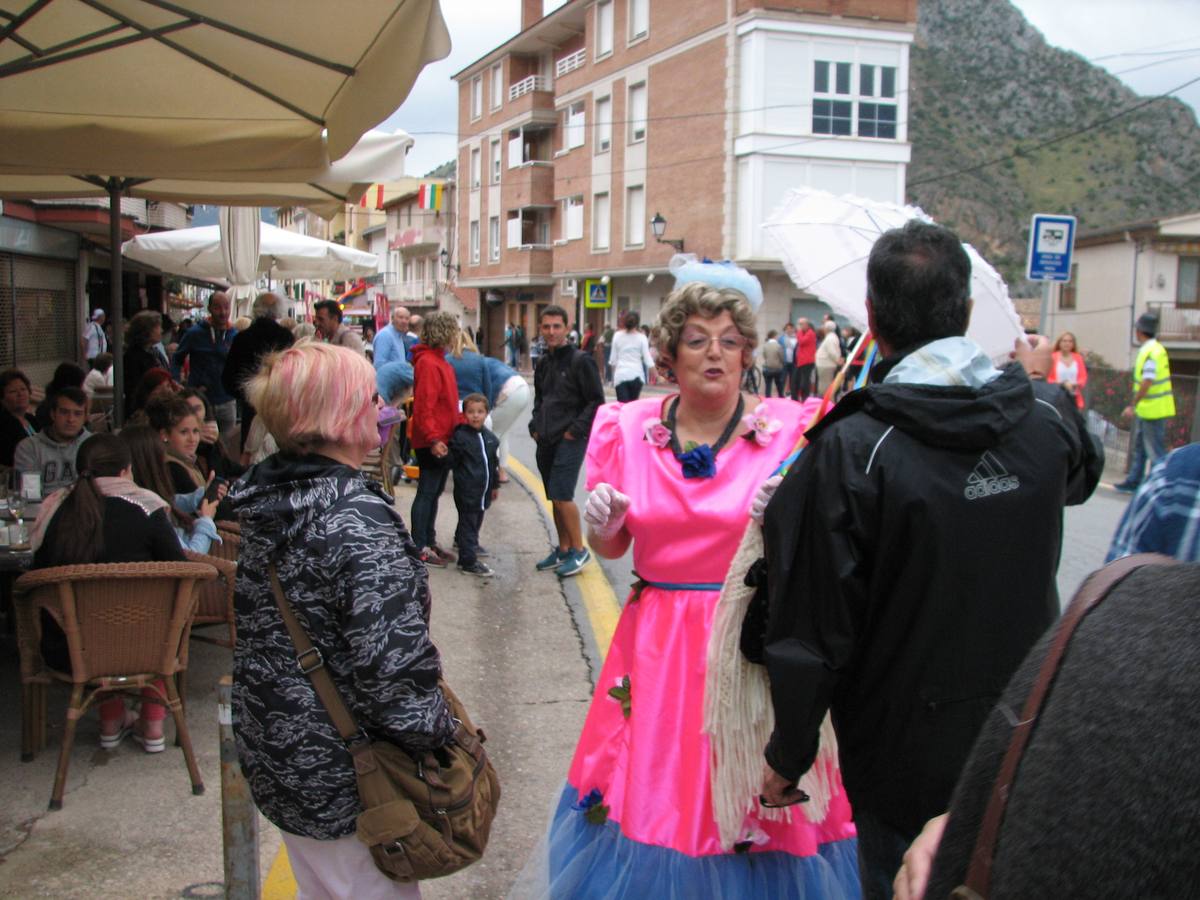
698 341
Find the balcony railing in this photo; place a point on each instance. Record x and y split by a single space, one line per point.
1177 323
410 291
528 86
570 63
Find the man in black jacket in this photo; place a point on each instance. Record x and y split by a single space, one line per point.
911 554
265 335
566 394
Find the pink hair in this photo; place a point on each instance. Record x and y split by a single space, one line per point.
316 393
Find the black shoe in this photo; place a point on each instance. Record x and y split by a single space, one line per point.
477 568
1125 487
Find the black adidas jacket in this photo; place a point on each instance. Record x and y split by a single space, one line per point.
476 460
912 554
567 391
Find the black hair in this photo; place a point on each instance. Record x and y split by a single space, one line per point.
74 394
330 306
918 282
80 536
10 375
66 375
632 320
553 310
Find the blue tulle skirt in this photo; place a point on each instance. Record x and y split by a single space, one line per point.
583 860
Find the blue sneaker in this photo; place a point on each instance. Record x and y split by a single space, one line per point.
552 561
573 563
1125 487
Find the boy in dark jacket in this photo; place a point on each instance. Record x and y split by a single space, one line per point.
476 455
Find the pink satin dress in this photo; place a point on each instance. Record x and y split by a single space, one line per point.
650 767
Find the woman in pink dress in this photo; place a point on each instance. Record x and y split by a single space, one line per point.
676 476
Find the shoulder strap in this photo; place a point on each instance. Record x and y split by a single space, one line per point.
312 664
1094 590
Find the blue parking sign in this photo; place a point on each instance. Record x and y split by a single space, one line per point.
1051 242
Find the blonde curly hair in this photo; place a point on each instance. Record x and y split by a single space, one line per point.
699 299
439 329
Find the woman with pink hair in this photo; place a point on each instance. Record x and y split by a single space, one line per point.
355 581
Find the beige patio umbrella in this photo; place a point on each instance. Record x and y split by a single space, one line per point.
120 91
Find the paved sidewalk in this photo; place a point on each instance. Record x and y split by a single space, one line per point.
130 826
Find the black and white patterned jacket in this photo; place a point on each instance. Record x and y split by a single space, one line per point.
352 575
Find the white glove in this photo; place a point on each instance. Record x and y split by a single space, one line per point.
766 490
605 510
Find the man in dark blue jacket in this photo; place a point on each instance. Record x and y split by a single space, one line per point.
911 554
207 345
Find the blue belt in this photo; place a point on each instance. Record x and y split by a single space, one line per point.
641 583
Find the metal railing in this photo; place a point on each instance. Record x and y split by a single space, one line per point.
1107 393
1177 323
409 291
528 86
570 63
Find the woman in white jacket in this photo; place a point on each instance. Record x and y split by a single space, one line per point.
630 359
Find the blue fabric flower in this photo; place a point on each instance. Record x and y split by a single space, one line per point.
699 462
587 802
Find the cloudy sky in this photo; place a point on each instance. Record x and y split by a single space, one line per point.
1154 50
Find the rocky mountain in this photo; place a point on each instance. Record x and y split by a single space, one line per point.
987 90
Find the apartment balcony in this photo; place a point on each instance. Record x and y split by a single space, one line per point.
570 62
417 293
422 237
1177 326
530 184
534 260
531 100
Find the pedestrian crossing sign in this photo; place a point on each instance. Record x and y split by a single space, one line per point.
596 295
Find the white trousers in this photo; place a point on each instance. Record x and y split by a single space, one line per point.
340 870
515 395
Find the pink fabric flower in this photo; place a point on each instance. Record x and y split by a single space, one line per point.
761 426
656 433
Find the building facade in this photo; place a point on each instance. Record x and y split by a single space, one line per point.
606 114
1119 273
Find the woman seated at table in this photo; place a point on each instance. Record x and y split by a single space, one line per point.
16 422
105 518
210 454
191 515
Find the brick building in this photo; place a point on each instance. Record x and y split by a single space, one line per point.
595 119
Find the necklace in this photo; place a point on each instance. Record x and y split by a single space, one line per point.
700 460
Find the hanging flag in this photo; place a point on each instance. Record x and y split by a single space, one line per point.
379 196
429 196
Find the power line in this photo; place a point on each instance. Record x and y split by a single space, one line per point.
1023 151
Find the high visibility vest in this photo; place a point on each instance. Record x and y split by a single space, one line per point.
1159 402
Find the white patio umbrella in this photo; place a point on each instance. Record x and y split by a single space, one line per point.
197 252
269 91
824 241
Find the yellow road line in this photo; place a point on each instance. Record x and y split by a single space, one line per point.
603 610
281 885
599 599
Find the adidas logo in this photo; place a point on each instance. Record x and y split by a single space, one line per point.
989 477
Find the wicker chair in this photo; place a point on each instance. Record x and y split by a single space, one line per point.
126 625
216 598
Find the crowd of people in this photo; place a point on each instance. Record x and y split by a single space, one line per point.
885 617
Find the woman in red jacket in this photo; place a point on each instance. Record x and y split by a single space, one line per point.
435 413
1068 368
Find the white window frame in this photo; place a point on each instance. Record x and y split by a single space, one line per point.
494 238
603 124
569 287
604 29
575 130
497 85
642 6
496 164
476 170
476 97
637 123
474 233
601 221
635 219
573 218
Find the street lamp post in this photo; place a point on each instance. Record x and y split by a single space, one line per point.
658 225
445 258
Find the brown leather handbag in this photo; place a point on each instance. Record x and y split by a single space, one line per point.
424 815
